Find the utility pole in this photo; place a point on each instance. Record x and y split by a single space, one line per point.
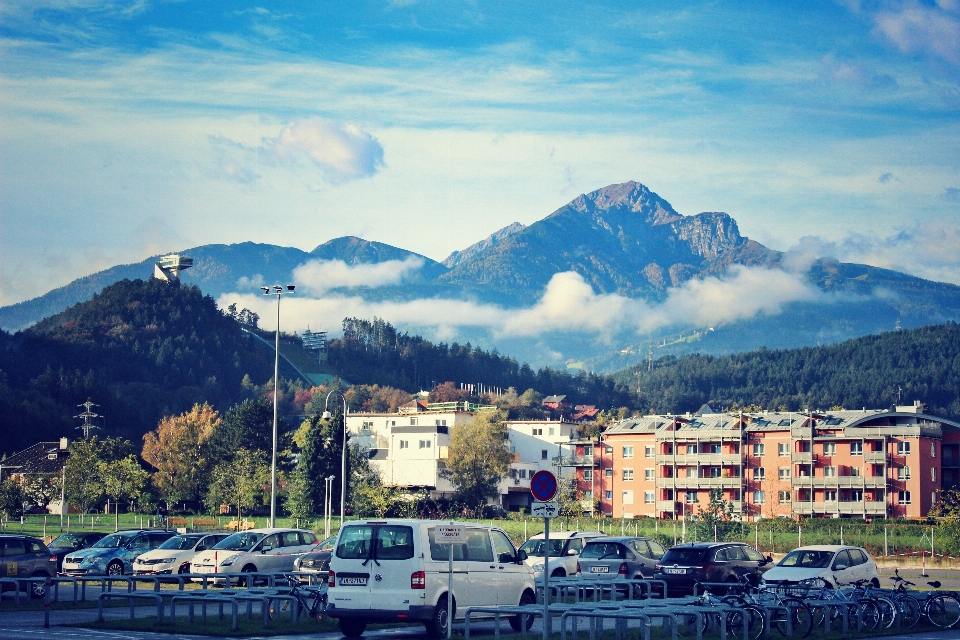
87 415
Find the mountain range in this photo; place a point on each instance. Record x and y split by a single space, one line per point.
623 240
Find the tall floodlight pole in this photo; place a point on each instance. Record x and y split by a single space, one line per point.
343 456
278 291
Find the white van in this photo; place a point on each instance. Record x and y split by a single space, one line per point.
396 571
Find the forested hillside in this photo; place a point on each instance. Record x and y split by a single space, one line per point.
139 349
865 372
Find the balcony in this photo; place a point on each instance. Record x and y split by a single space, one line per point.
708 459
668 506
804 457
841 482
579 461
950 462
871 508
875 457
700 483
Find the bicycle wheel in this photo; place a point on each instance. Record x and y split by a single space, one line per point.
908 609
750 615
942 610
868 615
801 618
889 610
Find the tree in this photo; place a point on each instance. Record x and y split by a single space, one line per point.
12 498
41 488
248 425
479 460
84 484
239 481
321 446
122 480
947 506
715 516
175 449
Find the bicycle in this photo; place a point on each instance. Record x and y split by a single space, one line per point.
746 614
865 610
798 613
942 609
310 600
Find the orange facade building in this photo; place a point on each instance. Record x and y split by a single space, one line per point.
838 464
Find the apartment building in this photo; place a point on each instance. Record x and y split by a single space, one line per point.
854 464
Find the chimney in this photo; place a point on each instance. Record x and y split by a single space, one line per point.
63 444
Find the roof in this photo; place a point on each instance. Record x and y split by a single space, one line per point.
554 399
43 457
827 547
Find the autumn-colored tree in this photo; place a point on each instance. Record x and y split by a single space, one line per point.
447 392
479 458
175 450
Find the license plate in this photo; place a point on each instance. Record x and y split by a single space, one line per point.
599 569
202 569
353 582
675 571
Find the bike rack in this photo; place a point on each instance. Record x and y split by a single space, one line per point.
130 599
193 600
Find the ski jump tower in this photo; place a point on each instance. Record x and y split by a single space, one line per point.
168 267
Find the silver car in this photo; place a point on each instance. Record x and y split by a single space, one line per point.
619 558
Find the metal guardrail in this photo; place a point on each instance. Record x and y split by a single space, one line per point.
130 599
193 600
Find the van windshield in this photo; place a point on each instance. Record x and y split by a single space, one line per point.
379 542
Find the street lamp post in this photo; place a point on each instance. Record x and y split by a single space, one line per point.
278 291
343 456
327 504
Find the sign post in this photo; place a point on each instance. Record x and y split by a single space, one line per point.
543 486
451 534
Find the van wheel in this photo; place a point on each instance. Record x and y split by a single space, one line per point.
352 628
525 599
558 573
437 625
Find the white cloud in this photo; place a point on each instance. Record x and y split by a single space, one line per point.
341 152
318 276
569 304
917 27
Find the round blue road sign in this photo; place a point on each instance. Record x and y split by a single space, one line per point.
543 486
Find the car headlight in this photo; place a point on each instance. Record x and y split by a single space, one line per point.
166 561
538 567
227 562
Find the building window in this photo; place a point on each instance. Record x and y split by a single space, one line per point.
933 497
903 448
588 475
425 444
933 474
628 452
783 496
856 472
552 430
856 448
393 423
608 495
404 444
523 474
714 448
784 473
543 454
628 474
537 432
648 452
648 475
648 497
856 496
903 473
903 497
608 449
830 496
758 473
714 472
413 422
829 472
933 449
690 497
608 473
759 497
367 425
758 449
588 495
628 497
783 448
829 448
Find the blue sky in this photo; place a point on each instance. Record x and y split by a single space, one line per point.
134 127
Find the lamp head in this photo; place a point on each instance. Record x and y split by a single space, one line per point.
266 290
326 415
291 287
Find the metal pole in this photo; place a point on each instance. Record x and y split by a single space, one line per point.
276 390
343 471
63 493
450 592
885 551
546 579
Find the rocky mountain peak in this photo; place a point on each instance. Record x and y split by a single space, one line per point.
627 197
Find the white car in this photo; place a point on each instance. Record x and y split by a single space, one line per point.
565 548
175 555
836 565
254 551
397 571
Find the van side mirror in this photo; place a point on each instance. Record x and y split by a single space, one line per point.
265 548
572 552
521 556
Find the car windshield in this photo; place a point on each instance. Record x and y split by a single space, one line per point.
180 543
67 540
536 547
239 542
683 556
806 559
602 551
114 541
